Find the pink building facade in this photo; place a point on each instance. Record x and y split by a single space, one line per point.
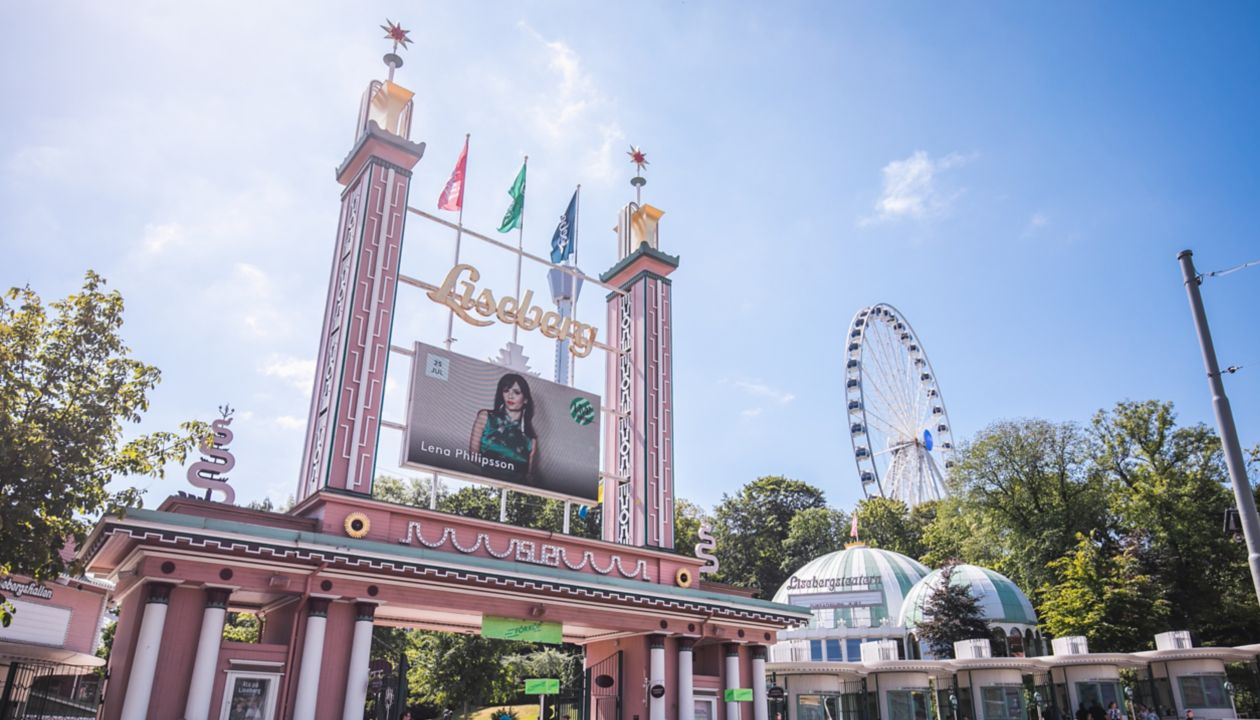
659 644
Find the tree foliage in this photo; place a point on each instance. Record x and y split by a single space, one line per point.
1027 488
813 532
950 614
1167 491
68 390
752 526
453 670
1104 596
888 524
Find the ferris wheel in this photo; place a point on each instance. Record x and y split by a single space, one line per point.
900 431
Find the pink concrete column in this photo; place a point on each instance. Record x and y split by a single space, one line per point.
201 684
732 679
360 652
312 659
144 660
686 680
656 676
760 705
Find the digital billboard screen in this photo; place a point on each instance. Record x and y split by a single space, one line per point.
480 419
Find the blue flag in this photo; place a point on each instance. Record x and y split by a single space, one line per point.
564 241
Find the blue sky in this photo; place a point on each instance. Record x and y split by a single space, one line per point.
1017 179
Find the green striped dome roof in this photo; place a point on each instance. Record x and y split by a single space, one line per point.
856 569
1000 599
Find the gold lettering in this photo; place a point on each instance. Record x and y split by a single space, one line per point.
583 341
509 310
551 324
531 319
485 303
444 295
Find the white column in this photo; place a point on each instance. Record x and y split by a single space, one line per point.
312 660
360 652
760 707
686 681
732 679
144 660
656 675
202 682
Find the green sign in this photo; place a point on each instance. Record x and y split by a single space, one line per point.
528 630
738 695
542 686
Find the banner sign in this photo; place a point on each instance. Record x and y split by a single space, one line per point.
485 420
502 628
738 695
542 686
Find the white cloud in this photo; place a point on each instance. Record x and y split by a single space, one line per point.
43 161
751 412
288 422
157 237
573 110
297 372
911 187
765 391
1036 221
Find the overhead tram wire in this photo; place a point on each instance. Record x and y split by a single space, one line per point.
1227 271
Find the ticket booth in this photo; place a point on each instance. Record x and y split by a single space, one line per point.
903 689
1078 677
819 691
1182 677
985 687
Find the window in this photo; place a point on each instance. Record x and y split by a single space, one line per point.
817 707
1204 691
705 708
853 650
907 705
249 696
1101 693
815 650
1002 703
833 650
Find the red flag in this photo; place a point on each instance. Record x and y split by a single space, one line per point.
853 527
453 194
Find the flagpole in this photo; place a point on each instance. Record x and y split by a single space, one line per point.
577 213
520 246
459 233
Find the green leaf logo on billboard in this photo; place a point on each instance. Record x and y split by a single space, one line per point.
581 410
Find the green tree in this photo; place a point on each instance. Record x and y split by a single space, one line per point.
688 517
563 663
950 614
813 532
886 523
68 390
452 670
750 529
1026 489
242 627
1105 597
1167 488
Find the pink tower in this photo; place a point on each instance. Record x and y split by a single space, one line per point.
639 460
341 431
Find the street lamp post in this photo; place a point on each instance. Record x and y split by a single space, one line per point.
1224 422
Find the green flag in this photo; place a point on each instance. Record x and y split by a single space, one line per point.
512 218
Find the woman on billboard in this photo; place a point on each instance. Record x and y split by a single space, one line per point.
507 432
